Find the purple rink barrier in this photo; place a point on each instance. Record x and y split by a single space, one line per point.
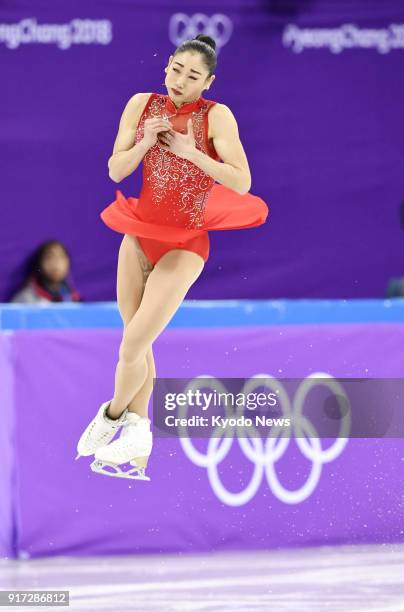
62 507
7 444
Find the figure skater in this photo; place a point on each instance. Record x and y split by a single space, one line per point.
195 178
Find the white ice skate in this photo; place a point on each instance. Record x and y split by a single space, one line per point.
99 432
133 446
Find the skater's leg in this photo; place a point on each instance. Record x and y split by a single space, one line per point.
166 287
133 269
141 399
132 273
131 278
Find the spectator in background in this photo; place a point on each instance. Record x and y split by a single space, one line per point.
395 287
46 276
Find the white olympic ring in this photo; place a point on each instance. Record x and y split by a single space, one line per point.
183 27
265 456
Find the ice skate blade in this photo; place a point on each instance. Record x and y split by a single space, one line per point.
135 473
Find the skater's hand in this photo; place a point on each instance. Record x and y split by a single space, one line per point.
180 144
154 126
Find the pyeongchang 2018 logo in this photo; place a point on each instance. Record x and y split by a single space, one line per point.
264 454
75 32
183 27
346 36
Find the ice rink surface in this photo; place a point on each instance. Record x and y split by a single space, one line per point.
332 578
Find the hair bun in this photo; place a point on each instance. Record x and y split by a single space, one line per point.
206 39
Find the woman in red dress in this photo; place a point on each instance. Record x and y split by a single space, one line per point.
196 179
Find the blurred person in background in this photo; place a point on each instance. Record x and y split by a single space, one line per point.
47 276
395 287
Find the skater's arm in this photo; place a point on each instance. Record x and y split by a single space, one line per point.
234 172
126 155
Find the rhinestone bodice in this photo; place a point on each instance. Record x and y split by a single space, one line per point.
174 190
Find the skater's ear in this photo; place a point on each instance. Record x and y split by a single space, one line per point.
209 81
169 62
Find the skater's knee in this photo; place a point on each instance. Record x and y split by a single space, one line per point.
128 354
132 351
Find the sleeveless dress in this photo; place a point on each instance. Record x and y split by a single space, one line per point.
179 203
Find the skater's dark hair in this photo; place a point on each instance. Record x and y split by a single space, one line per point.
202 44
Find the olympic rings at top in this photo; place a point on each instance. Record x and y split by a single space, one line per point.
184 27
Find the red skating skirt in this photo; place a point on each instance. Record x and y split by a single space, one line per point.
225 209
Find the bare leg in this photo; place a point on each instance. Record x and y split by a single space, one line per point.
132 274
166 287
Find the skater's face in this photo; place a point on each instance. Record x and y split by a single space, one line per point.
187 77
55 264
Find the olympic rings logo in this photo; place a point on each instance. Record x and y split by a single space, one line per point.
264 455
183 27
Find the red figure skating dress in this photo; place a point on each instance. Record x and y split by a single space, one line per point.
179 203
